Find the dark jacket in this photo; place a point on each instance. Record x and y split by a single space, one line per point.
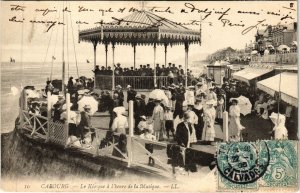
182 134
139 108
85 122
131 95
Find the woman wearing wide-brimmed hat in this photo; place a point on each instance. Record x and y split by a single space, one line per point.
209 132
193 119
234 126
158 117
198 109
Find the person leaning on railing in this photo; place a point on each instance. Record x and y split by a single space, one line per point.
85 125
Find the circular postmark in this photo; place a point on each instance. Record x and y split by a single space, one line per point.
242 162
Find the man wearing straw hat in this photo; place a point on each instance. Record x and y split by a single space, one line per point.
119 91
85 125
130 93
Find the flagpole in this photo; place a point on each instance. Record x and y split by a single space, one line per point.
51 68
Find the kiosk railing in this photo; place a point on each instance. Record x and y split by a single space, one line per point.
105 82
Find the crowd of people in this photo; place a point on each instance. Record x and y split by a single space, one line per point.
188 116
173 73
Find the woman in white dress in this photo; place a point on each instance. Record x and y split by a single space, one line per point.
280 131
193 119
209 132
190 95
211 95
158 118
234 126
120 123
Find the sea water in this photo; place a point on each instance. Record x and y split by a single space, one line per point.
35 74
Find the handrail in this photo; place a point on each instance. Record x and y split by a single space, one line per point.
149 141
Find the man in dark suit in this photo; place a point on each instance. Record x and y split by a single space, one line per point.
119 91
85 122
139 107
130 94
183 132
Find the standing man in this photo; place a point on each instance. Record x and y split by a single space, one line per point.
119 91
112 103
139 107
184 131
130 94
85 122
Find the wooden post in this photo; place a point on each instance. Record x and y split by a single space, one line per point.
129 138
22 100
186 47
225 126
95 48
134 56
154 48
49 107
166 46
68 105
106 45
113 66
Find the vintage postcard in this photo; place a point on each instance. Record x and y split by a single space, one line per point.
149 96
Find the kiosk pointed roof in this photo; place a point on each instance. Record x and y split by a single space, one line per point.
141 27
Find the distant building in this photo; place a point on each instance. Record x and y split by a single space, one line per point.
275 36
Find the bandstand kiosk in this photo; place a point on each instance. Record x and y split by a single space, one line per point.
141 28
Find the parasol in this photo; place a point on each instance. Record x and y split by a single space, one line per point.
244 104
254 52
119 110
283 48
88 100
53 99
14 90
159 94
32 94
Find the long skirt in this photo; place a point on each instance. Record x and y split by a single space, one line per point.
208 133
219 112
199 129
158 129
193 138
234 126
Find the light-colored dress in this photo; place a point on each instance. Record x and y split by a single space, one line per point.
280 131
169 95
158 117
120 124
234 126
212 96
209 132
190 97
193 120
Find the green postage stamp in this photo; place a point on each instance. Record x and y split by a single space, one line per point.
261 165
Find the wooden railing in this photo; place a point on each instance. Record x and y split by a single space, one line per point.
105 82
136 155
285 58
36 124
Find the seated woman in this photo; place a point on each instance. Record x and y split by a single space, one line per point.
120 123
73 120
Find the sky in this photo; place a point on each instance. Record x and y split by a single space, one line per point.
29 42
